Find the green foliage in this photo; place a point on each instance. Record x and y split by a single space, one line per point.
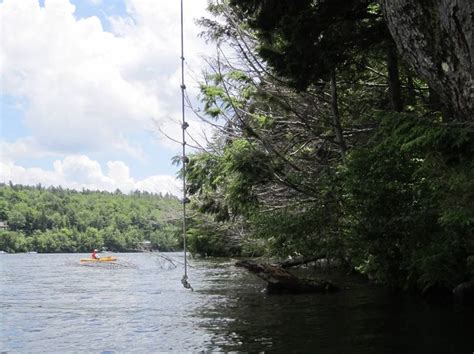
219 98
399 209
167 238
290 232
11 241
58 220
225 183
305 40
394 201
208 237
409 197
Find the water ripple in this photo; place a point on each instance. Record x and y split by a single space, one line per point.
51 303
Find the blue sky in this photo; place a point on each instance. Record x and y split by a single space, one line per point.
87 88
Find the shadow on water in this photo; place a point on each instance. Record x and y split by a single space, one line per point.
359 319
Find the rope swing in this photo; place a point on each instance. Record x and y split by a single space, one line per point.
184 158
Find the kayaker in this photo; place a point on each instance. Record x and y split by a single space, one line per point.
94 254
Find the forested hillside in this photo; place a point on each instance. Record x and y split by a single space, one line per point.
345 131
60 220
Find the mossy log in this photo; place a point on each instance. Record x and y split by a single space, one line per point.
280 280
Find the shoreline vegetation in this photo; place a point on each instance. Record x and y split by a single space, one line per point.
346 130
57 220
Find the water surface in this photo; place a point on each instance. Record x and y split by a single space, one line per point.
51 303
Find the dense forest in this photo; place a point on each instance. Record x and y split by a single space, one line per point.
345 131
60 220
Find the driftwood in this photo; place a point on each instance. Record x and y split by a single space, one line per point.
280 280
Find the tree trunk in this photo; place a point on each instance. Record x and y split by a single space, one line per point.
394 78
336 119
436 104
436 38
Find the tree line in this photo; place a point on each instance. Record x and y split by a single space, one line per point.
61 220
344 129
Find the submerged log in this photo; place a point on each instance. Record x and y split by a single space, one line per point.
280 280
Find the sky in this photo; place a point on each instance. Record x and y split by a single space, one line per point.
87 88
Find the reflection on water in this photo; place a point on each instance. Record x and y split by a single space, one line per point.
51 303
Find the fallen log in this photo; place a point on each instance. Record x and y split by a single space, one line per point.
280 280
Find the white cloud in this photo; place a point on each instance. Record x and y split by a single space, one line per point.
26 147
135 151
163 183
88 89
118 171
79 171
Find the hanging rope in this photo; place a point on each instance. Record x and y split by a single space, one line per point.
184 159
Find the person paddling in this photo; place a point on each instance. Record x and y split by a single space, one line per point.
94 254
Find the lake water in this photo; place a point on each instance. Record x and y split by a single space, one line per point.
51 303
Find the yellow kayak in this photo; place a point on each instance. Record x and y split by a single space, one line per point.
102 259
